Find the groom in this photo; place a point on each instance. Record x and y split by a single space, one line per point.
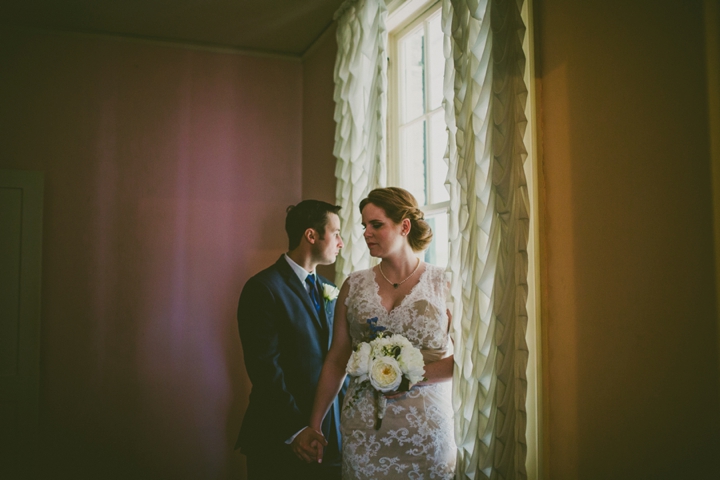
285 317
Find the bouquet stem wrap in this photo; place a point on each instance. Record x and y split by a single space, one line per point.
381 406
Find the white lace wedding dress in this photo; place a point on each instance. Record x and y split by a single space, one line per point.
416 439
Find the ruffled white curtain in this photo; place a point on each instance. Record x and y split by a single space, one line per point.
360 117
485 97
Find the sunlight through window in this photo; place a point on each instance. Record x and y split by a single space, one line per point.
417 135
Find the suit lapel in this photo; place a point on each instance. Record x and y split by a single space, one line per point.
292 280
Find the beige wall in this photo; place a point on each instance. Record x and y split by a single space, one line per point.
167 173
630 319
712 53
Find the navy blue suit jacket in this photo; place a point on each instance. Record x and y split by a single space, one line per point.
285 342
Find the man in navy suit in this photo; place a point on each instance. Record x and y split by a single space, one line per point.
285 317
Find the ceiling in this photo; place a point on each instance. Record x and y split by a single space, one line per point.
286 27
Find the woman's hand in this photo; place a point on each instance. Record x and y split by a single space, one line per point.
402 389
308 445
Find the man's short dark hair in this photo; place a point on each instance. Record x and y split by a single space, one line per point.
304 215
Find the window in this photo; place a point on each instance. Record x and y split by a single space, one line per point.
417 140
417 136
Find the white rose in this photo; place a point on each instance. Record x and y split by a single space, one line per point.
385 374
401 341
330 292
412 364
359 362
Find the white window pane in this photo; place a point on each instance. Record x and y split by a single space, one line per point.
437 251
413 75
436 61
438 167
413 160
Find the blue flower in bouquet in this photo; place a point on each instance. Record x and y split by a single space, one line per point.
375 329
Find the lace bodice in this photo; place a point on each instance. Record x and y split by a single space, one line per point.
415 440
421 316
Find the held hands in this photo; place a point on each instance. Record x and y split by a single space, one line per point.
308 445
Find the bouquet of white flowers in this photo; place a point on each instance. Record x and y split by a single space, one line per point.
386 361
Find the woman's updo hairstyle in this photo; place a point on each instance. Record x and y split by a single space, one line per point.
400 204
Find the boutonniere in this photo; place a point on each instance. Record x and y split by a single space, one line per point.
330 292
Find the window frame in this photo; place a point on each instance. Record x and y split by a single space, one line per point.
406 18
395 32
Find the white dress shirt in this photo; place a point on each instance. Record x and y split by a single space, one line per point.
300 272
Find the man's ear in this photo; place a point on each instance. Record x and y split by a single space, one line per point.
310 236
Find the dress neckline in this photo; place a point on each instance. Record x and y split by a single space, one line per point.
378 298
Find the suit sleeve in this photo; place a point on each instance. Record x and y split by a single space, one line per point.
259 334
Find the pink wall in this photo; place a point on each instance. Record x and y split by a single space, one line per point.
167 174
630 317
318 129
318 134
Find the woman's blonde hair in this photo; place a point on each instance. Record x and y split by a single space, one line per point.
400 204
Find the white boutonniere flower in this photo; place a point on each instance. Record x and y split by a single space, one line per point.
330 292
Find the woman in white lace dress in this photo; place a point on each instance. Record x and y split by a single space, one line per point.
401 295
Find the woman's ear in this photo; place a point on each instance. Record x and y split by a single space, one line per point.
406 225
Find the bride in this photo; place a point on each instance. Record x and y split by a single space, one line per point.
401 295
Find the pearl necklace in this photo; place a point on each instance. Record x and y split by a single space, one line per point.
396 285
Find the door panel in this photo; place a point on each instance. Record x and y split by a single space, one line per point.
10 237
20 254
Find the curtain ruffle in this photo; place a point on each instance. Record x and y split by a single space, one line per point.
484 98
360 117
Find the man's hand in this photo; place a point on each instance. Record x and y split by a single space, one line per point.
308 445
